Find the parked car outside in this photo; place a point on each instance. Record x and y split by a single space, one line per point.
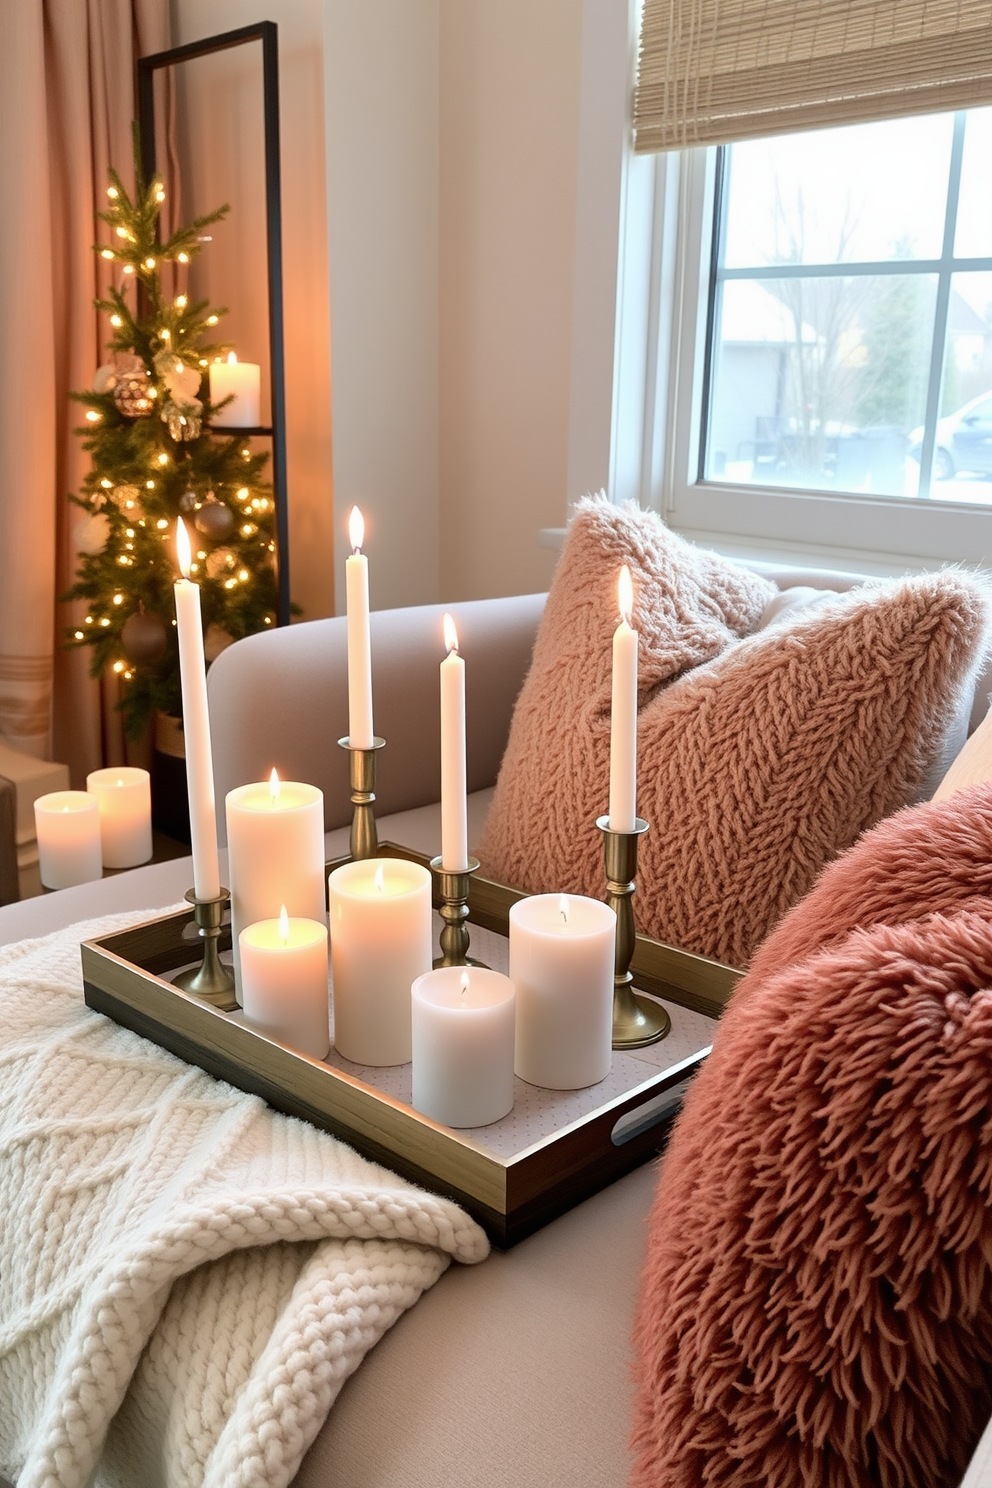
964 440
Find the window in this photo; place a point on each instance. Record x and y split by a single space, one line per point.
833 365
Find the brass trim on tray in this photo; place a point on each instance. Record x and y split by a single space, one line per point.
124 977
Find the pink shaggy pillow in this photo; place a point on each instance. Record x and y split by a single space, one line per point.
760 757
816 1305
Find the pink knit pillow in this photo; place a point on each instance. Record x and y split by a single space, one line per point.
816 1305
759 759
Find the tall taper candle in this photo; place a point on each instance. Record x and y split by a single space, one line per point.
356 568
196 726
623 716
454 805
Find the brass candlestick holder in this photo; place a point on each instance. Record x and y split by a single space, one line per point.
637 1021
454 891
212 982
364 840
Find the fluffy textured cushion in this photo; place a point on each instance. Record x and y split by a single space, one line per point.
816 1305
760 757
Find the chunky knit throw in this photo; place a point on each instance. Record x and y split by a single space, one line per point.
760 756
816 1304
174 1252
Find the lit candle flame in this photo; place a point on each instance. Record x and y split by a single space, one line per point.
463 984
356 530
563 908
283 925
183 552
379 880
450 634
119 781
232 358
625 590
274 786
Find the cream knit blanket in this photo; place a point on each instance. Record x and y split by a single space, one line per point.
186 1277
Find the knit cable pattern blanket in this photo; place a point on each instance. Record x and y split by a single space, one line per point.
186 1277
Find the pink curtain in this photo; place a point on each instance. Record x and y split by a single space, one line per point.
67 98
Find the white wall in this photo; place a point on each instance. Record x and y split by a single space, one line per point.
466 268
381 72
509 161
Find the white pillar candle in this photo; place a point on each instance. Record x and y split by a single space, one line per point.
463 1045
284 976
562 950
275 854
623 716
124 800
360 733
244 381
196 727
454 802
381 941
67 825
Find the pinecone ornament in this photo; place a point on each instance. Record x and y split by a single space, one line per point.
185 420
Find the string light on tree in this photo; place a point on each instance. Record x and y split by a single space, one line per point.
150 409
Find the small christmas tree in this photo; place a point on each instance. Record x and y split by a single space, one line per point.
155 459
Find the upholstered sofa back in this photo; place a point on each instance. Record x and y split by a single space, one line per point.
280 699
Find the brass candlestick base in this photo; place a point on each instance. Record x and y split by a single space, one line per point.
637 1021
213 982
454 888
364 840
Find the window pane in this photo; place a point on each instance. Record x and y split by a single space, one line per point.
963 457
974 233
820 382
861 194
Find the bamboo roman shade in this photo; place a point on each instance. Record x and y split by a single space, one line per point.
710 71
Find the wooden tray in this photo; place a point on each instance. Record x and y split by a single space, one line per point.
555 1147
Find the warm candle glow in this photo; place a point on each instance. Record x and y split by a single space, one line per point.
274 786
563 909
380 879
463 985
232 359
625 591
283 925
183 551
450 634
356 530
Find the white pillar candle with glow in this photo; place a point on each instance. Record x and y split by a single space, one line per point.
463 1045
454 802
244 381
562 950
124 800
356 567
284 977
623 715
381 941
196 726
67 825
275 854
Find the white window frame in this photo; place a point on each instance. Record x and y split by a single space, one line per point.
875 534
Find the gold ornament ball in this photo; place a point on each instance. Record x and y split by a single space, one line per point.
131 394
